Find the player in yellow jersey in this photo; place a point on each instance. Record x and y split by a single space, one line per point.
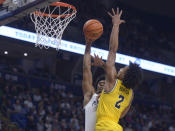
116 98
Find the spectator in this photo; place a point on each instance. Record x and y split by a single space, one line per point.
74 124
28 102
48 126
37 97
17 106
40 125
31 125
129 128
172 127
41 113
145 127
56 125
49 117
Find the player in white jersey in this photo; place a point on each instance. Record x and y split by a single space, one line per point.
90 95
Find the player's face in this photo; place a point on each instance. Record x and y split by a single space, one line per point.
100 86
121 72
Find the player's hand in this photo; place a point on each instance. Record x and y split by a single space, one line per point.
116 17
89 41
97 61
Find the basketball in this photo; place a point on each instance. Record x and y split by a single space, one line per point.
93 29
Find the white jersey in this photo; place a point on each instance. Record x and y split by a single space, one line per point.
90 113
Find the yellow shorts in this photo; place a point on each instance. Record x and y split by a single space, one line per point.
108 126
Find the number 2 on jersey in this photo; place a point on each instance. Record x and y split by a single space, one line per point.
117 105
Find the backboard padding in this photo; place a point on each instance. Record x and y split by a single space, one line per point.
23 11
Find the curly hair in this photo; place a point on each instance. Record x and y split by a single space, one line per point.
133 76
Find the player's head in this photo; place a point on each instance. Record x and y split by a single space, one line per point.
131 75
99 84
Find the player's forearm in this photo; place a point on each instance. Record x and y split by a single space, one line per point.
88 48
110 64
87 57
87 75
113 45
124 113
104 66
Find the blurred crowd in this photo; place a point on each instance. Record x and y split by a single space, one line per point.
150 118
141 40
14 65
57 108
42 109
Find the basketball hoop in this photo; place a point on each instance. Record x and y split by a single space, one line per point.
51 22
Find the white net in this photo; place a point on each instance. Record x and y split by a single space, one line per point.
50 24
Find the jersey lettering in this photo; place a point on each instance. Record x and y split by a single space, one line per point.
117 105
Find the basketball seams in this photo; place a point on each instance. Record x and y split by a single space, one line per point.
88 24
101 28
97 32
93 29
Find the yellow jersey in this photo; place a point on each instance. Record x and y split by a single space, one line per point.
110 107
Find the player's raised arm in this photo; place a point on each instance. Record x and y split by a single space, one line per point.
113 47
87 87
98 62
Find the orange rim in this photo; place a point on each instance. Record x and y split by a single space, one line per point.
61 4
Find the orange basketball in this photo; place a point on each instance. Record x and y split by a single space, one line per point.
93 29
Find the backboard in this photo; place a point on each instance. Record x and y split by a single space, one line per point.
11 10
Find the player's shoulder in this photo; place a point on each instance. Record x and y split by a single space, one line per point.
92 101
94 95
114 90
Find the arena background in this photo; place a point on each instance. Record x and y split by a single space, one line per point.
41 89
